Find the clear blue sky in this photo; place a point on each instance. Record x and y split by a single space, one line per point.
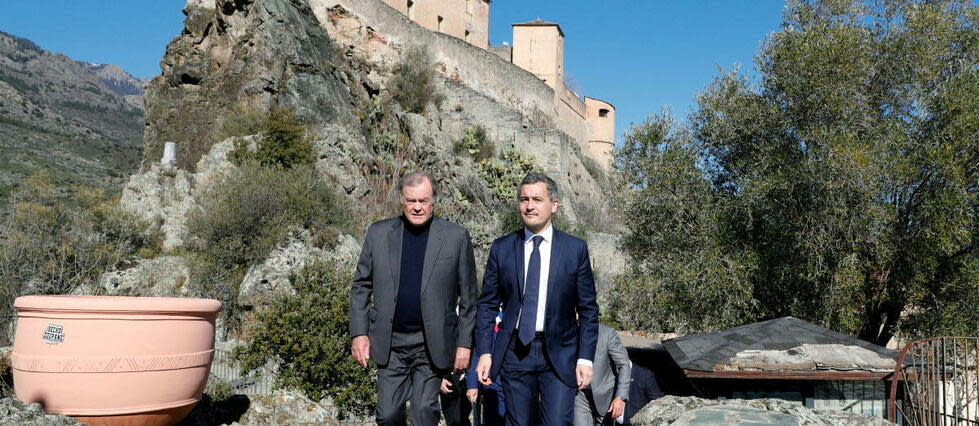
640 55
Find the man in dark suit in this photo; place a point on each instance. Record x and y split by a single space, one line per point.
420 272
604 400
541 277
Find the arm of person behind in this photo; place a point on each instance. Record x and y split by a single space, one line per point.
489 307
467 294
587 309
623 367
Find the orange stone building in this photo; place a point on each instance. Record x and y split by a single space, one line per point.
538 47
464 19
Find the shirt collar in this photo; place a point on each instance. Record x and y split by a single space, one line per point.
547 233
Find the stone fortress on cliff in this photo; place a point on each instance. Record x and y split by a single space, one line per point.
538 47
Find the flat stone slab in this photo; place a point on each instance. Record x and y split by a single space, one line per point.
723 415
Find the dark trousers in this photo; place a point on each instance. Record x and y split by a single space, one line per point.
534 393
491 411
408 375
456 406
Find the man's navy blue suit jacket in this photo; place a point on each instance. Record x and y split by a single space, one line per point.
570 289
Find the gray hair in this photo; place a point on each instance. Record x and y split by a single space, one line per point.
533 178
417 178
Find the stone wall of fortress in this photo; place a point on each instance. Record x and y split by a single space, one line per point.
478 68
483 71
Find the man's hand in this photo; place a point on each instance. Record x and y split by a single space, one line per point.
617 407
483 369
472 394
446 387
361 349
462 358
584 375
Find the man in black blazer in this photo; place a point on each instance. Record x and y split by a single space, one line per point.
412 304
540 277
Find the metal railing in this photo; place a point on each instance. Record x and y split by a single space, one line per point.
938 381
225 369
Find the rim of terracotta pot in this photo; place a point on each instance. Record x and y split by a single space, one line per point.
117 304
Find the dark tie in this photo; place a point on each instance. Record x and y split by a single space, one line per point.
528 313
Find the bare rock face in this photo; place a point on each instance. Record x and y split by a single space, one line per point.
266 280
167 276
291 407
15 412
240 53
161 195
675 410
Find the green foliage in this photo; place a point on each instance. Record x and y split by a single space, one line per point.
840 189
683 277
245 215
475 143
413 85
241 120
55 240
283 141
387 157
219 389
307 334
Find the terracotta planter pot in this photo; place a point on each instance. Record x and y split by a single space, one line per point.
113 360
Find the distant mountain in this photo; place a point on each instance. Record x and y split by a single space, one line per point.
79 122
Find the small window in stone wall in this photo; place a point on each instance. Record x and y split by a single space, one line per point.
467 36
603 112
439 28
411 9
469 6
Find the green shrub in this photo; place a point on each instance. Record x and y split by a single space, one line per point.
56 240
413 85
475 143
307 334
246 214
503 174
219 389
283 142
241 120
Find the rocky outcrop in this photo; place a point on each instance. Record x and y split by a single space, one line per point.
290 407
325 63
264 281
675 410
15 412
167 276
241 53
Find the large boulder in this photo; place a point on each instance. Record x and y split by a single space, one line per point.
166 276
676 410
15 412
271 278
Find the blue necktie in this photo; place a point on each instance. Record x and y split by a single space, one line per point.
528 313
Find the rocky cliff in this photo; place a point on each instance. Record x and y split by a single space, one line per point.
319 59
64 117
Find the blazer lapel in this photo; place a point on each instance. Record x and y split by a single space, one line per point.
394 252
552 271
432 248
518 250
